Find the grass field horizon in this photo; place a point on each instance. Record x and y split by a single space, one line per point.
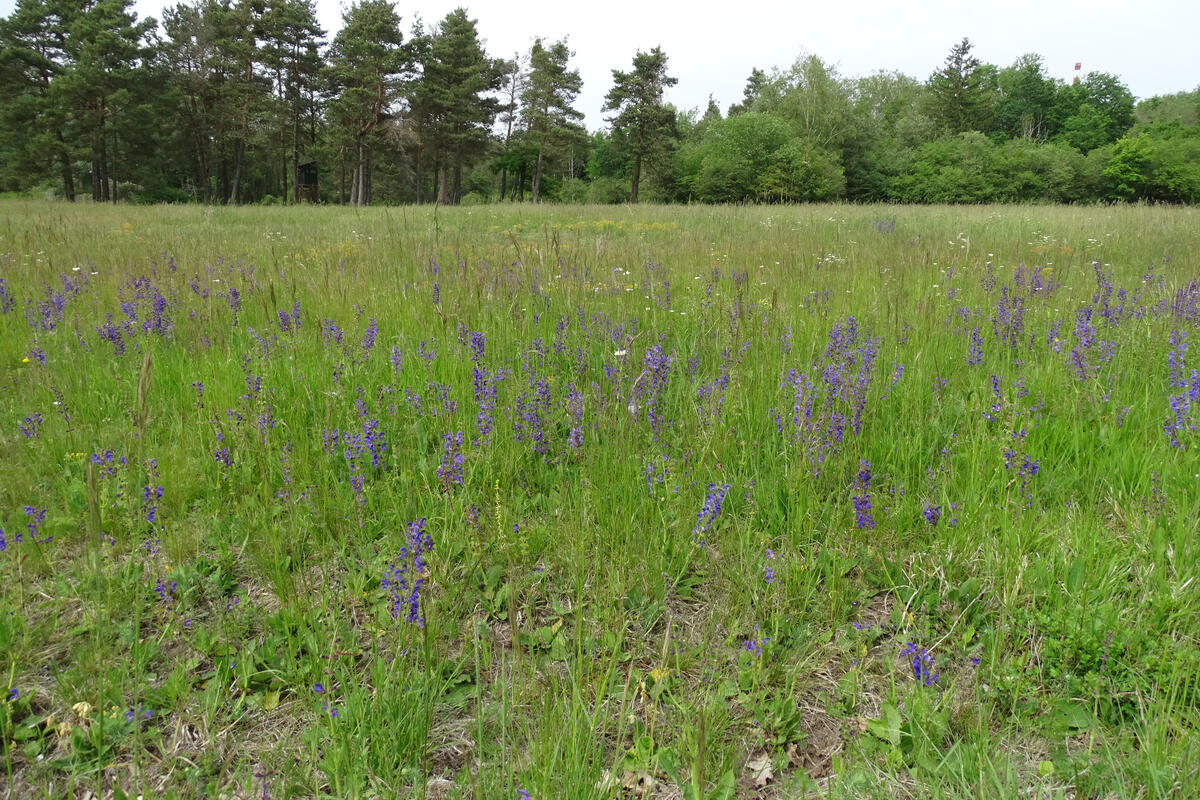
599 502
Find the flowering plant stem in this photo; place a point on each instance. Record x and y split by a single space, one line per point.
512 607
427 655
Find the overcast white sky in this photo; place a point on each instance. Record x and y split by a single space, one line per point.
1150 44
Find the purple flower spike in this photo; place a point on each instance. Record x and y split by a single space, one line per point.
450 473
405 578
862 502
711 509
922 664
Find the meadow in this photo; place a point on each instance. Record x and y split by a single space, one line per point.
596 502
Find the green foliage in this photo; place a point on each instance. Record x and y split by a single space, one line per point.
891 125
755 156
1182 107
1110 112
973 169
814 100
606 191
782 722
1159 164
1175 173
1085 130
801 171
964 169
1107 93
729 163
608 158
1026 98
22 728
1033 172
1128 167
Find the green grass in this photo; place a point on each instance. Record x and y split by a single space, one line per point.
589 631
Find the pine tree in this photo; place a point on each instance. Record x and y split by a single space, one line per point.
513 80
755 85
290 46
641 117
191 54
72 69
108 50
415 89
457 79
956 92
367 62
552 122
33 112
243 92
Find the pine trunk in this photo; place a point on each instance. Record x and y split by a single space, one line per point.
112 172
356 180
420 147
239 149
283 195
295 158
200 143
365 198
64 160
637 177
204 174
537 177
100 161
342 176
221 189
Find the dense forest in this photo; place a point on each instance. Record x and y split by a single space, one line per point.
250 101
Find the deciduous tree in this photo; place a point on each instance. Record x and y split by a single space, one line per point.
1025 101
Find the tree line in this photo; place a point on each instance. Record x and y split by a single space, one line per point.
241 101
